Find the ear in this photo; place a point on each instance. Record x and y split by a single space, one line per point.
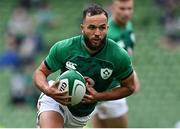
82 28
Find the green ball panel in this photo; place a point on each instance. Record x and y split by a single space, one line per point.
71 75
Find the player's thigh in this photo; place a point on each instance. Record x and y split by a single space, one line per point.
111 109
51 119
111 114
119 122
98 123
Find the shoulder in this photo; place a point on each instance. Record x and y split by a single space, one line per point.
114 46
117 52
120 59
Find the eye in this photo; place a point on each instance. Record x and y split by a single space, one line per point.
102 27
122 8
91 27
130 9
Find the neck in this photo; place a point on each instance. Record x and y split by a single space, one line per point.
90 51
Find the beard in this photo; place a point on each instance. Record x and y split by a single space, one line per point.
94 47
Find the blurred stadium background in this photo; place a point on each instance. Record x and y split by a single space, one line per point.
156 59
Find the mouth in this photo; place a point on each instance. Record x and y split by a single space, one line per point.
96 42
96 39
126 18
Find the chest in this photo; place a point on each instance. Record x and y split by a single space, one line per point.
97 71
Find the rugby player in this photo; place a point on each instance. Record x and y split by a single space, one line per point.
97 58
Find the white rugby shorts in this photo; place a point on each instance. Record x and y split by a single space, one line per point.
111 109
46 103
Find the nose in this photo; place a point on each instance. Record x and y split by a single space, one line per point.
127 13
97 32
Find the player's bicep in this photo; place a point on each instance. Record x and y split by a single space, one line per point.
44 69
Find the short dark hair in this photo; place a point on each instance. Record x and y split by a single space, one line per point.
94 10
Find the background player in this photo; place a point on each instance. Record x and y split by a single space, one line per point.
114 113
97 58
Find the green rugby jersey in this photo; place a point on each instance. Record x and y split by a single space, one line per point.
123 36
111 62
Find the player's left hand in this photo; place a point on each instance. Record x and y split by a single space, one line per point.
91 97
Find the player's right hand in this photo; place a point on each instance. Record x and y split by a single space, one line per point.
61 97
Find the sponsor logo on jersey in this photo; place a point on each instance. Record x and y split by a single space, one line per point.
71 65
106 73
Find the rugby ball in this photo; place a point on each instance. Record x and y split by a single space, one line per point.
73 82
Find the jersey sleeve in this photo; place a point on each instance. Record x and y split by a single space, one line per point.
53 60
124 66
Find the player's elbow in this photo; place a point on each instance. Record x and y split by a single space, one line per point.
137 87
137 83
132 88
34 77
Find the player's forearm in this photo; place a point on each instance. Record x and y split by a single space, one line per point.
40 81
116 93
